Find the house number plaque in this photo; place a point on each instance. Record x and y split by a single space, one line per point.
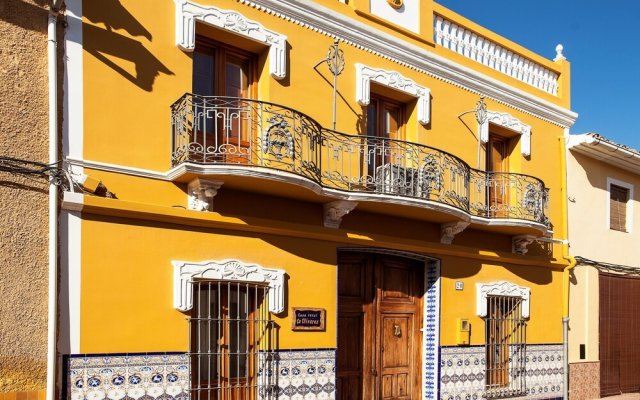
308 319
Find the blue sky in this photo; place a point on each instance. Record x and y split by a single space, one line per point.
600 39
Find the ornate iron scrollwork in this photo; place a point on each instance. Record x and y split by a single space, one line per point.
278 140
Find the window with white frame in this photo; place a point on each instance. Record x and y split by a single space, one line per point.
504 307
620 209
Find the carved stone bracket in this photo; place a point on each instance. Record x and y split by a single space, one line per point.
507 121
187 13
449 230
365 75
184 273
201 194
501 288
521 242
334 211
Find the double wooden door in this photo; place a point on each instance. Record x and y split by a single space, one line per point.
379 322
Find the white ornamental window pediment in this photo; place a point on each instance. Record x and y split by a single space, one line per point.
507 121
366 75
185 272
501 288
188 12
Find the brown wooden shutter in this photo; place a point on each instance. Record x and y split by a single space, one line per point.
618 197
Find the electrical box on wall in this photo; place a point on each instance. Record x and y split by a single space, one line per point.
463 331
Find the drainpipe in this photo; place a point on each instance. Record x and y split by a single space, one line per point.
52 316
567 270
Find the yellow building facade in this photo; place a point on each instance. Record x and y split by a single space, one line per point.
309 200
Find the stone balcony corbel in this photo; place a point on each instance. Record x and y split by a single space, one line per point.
449 230
335 210
521 243
201 194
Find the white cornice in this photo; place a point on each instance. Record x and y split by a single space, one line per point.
188 12
328 22
606 151
392 79
186 272
501 288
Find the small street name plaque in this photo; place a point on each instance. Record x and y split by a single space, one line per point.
308 319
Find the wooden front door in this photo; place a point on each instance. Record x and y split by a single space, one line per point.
379 321
498 184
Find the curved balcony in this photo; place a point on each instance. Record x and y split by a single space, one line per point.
250 134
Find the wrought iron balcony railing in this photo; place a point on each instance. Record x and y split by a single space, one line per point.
250 133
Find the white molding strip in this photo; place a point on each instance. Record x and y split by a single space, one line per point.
70 276
501 288
267 173
392 79
510 122
185 272
326 21
73 100
187 13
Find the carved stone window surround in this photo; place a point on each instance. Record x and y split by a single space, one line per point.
188 12
501 288
184 272
507 121
365 75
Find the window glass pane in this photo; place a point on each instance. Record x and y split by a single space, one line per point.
203 73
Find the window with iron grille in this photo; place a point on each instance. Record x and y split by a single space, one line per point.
505 332
231 341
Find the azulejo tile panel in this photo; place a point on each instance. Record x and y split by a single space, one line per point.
130 376
301 375
306 374
462 372
431 335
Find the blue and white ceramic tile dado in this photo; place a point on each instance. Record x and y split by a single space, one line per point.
118 377
306 374
462 372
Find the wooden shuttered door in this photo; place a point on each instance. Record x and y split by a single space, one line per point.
619 327
618 197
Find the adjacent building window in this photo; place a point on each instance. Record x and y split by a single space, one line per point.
619 196
505 338
230 339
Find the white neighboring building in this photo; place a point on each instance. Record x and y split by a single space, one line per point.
603 178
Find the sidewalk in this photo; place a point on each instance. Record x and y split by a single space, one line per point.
627 396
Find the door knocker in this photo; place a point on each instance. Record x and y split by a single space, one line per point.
397 332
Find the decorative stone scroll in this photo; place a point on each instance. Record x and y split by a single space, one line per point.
187 13
509 122
501 288
365 75
185 272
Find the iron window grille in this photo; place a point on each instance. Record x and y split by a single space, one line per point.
505 338
232 341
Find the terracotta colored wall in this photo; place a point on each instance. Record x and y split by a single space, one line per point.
23 219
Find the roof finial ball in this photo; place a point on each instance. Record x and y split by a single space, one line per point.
559 55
